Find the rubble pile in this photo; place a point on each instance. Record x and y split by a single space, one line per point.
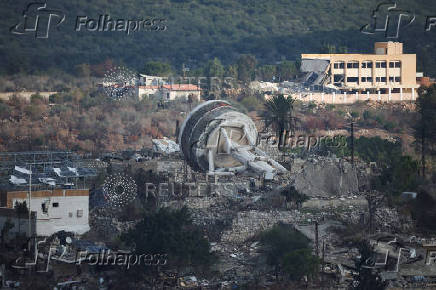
102 221
247 224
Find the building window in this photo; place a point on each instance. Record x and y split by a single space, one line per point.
44 207
338 78
380 79
391 79
396 64
339 64
383 79
380 64
369 79
363 79
55 204
367 64
70 214
79 213
397 79
352 79
353 64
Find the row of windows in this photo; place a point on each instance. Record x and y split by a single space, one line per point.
369 79
367 64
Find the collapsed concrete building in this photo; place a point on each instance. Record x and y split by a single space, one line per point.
217 139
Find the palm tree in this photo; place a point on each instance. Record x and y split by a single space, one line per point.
279 114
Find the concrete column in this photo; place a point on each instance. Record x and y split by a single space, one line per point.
390 94
357 96
373 73
310 97
379 95
300 96
367 95
331 72
322 97
413 94
401 94
345 97
333 97
345 73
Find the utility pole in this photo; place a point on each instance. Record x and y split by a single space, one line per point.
374 200
29 200
316 240
352 143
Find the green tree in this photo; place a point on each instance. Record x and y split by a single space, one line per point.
300 263
246 67
278 113
267 72
8 225
292 194
425 128
83 70
214 68
287 70
156 68
281 244
231 71
171 232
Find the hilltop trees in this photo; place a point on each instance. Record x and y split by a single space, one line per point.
155 68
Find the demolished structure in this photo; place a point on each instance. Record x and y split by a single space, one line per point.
217 139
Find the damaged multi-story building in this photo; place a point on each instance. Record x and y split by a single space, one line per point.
387 74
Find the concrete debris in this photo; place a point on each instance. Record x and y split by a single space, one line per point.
165 146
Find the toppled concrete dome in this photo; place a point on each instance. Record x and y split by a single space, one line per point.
216 138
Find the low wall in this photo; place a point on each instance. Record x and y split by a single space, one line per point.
349 98
25 95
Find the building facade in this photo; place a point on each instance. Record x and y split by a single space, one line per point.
388 71
173 92
56 210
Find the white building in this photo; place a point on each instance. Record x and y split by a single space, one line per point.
172 92
56 210
146 91
146 80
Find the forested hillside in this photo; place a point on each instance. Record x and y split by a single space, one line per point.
199 30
